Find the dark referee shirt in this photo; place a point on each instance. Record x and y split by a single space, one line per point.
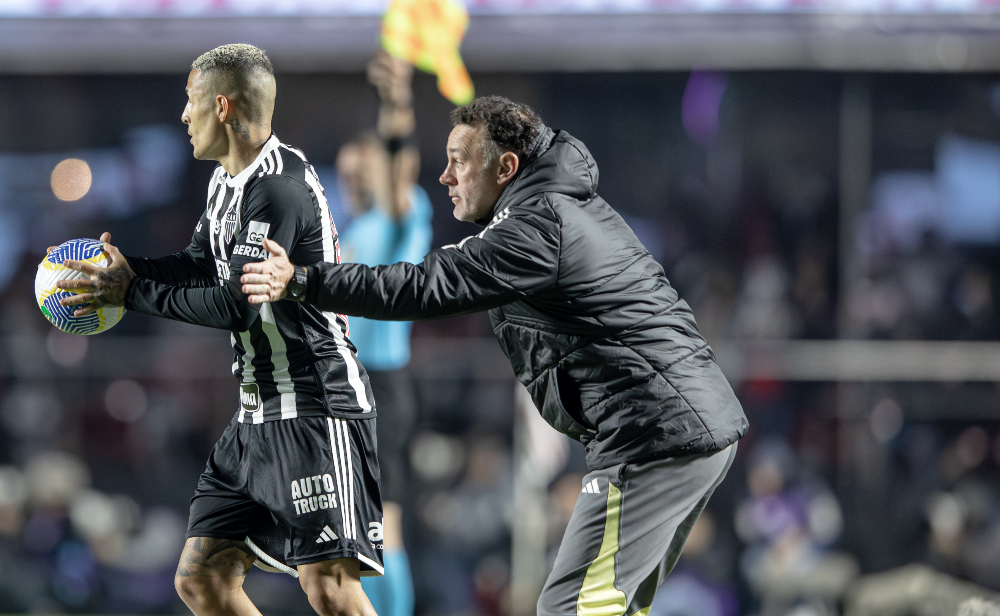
292 360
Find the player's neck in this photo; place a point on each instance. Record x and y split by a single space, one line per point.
242 152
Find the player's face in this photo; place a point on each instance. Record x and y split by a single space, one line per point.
473 189
208 134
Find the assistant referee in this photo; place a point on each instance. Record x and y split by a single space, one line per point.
591 326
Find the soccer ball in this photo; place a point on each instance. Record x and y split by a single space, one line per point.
51 270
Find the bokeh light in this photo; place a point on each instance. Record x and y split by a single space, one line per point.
125 400
71 179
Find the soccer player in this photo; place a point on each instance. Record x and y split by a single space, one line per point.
293 482
609 352
392 222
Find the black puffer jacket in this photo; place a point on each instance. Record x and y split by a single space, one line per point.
610 354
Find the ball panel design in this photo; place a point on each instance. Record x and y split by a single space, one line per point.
51 270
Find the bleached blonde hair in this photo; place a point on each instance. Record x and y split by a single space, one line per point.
241 71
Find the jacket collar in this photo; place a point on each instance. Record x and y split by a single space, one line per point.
541 143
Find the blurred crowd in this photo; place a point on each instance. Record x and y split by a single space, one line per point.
732 183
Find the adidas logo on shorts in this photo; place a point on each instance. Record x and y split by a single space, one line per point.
591 487
327 535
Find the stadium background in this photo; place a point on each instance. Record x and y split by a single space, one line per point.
820 180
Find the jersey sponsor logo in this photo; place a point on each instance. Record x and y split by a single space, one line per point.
313 493
257 231
222 267
375 534
327 535
250 397
591 487
244 250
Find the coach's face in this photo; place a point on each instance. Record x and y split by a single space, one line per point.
201 114
473 189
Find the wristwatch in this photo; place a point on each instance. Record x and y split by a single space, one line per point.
296 289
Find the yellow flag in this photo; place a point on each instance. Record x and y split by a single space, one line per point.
427 34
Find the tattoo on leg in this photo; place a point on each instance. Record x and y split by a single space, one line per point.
213 556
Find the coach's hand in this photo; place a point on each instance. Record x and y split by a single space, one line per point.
265 281
104 286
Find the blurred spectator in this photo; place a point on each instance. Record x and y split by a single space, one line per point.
698 586
789 522
471 525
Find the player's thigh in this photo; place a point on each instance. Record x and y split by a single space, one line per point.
227 560
318 476
335 586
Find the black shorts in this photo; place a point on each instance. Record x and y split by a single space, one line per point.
299 491
397 411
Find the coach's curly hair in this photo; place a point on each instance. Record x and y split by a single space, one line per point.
510 126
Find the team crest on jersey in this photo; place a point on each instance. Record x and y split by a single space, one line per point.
230 225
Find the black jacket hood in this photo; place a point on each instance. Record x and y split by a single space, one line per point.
557 162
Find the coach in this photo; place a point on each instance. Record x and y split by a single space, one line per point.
591 326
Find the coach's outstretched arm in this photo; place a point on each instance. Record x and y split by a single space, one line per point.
516 256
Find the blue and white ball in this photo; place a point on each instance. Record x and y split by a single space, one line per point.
51 271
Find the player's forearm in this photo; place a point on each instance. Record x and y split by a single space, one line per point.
176 270
210 307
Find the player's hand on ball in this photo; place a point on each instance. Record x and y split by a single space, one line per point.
103 286
265 281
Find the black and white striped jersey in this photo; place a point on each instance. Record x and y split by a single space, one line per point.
292 360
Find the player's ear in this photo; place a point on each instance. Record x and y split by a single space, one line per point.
222 108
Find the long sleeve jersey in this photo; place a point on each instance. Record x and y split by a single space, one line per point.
292 360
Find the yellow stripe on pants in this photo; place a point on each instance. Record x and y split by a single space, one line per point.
598 595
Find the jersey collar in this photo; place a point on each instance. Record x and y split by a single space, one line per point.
241 178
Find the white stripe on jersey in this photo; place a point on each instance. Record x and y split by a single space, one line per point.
213 211
248 375
353 374
346 443
330 256
337 463
279 358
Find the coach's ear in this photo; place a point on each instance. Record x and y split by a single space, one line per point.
507 166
